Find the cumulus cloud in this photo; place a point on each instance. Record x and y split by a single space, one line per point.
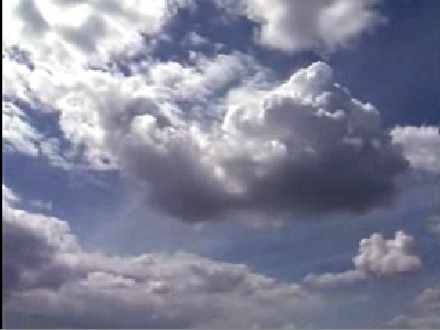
304 145
62 31
217 136
425 313
49 280
421 146
384 257
377 257
293 25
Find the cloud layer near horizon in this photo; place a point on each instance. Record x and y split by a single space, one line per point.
49 280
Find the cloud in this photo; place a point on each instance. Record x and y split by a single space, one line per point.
421 146
424 314
296 25
305 145
18 134
218 136
377 257
62 31
384 257
50 280
434 224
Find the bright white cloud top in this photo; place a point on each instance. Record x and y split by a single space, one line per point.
294 25
377 257
62 31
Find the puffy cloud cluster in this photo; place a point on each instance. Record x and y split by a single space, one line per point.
384 257
62 31
49 281
293 25
425 313
421 146
304 145
377 257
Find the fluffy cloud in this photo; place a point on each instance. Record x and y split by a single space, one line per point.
384 257
49 280
421 146
303 145
62 31
425 312
293 25
215 136
377 257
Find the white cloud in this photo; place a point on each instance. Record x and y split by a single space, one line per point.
62 31
421 146
385 257
18 134
425 313
49 279
293 25
335 280
378 257
8 196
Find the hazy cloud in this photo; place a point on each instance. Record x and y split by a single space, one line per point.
421 146
425 313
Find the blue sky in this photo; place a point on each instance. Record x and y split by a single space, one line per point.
231 144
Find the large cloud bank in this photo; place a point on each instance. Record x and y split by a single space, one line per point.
50 281
303 145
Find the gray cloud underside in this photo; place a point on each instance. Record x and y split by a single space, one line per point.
305 145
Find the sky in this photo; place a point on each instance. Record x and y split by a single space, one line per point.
221 164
